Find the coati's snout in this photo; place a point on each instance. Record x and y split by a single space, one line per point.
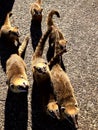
41 68
19 85
14 33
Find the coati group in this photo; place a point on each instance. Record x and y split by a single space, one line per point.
56 91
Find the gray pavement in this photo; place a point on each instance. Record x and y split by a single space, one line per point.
79 24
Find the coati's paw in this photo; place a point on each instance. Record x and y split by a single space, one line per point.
27 38
23 45
53 110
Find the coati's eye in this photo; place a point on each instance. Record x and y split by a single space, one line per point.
12 86
34 67
62 109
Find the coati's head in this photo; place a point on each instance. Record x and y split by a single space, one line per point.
13 33
19 84
7 31
53 109
36 11
41 70
70 109
62 44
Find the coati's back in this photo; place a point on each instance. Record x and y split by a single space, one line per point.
60 80
16 71
15 63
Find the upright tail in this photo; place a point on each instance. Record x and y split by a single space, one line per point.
59 50
39 49
55 59
50 16
39 2
7 20
23 46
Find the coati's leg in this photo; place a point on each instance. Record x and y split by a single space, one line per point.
53 108
7 20
23 46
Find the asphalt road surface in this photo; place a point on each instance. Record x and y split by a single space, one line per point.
79 24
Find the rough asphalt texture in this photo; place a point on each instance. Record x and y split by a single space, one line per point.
79 24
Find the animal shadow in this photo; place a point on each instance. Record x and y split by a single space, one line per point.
36 33
5 7
16 111
41 121
6 49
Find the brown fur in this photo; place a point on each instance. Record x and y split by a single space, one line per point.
9 32
36 10
63 89
16 71
53 35
41 74
23 46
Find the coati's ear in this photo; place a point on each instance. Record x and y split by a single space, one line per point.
41 9
76 105
35 11
10 14
7 82
38 12
34 67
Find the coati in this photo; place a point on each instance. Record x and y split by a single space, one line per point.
8 32
35 29
41 75
16 71
52 37
63 89
36 10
